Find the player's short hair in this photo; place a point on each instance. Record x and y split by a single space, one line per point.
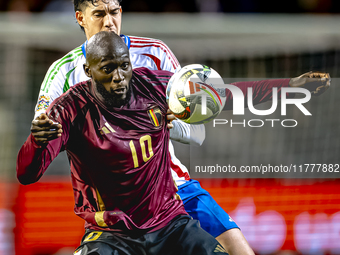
103 40
80 5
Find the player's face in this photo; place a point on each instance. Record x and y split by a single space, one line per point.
112 71
102 16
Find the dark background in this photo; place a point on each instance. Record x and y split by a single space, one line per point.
230 6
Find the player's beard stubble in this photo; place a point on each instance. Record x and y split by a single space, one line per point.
111 99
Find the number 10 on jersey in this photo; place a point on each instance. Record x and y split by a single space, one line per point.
145 145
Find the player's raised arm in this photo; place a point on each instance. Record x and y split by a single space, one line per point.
262 91
315 82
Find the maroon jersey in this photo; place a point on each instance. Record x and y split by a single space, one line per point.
119 157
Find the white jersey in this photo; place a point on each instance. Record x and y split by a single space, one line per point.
144 52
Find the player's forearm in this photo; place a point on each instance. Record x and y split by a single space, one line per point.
262 90
32 161
187 134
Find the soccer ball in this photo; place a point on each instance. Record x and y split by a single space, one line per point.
193 94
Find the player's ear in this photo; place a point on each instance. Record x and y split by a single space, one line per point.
80 18
87 71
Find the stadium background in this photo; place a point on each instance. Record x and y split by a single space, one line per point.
241 40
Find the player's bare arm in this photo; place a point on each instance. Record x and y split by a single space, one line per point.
44 130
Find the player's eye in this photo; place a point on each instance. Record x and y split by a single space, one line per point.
107 69
115 12
98 14
125 65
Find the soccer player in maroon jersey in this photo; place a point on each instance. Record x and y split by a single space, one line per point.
97 15
94 16
115 134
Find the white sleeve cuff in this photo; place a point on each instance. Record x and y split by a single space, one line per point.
188 134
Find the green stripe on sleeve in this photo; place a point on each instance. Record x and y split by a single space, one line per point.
76 50
73 55
48 84
67 85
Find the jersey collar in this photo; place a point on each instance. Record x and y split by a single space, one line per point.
125 38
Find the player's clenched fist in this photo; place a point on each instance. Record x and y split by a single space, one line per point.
315 82
43 129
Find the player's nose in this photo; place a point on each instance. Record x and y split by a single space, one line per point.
117 76
108 21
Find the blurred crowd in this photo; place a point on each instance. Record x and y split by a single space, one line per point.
258 6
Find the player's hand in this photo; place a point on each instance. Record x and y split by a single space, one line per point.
170 117
44 130
315 82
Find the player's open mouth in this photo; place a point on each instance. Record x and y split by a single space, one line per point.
119 91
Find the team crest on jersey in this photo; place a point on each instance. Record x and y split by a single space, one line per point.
43 102
155 116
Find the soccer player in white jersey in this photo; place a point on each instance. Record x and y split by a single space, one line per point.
105 15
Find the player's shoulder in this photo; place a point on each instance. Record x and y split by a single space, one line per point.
69 60
148 73
135 41
151 80
64 72
74 98
144 49
71 105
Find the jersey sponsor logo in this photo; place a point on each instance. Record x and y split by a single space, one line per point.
43 102
219 248
155 116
